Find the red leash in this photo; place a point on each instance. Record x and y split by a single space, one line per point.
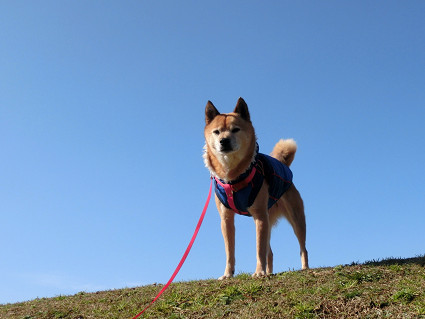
184 255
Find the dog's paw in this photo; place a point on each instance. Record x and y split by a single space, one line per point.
259 274
225 276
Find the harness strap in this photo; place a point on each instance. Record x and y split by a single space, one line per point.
230 188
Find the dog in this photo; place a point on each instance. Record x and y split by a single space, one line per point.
251 183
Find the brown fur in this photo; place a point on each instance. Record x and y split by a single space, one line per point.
230 146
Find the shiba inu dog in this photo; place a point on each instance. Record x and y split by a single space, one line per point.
251 183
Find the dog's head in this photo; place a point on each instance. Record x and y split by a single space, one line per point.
230 138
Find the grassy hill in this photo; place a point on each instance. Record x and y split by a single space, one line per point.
392 288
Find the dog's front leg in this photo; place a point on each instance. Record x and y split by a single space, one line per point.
228 231
263 244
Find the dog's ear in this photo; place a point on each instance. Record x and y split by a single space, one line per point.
210 112
242 109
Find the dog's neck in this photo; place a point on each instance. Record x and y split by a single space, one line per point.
228 167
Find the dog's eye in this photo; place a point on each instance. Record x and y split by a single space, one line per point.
216 132
236 129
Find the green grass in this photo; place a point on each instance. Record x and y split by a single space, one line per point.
391 288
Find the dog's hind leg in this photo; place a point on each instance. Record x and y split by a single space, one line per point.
294 213
269 269
300 232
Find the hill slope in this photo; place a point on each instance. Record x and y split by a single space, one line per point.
392 288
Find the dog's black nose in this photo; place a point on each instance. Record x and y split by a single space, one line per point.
226 145
225 142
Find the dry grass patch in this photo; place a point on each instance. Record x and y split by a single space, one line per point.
392 288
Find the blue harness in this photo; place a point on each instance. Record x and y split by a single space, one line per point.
240 194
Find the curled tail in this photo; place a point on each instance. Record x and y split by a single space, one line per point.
284 151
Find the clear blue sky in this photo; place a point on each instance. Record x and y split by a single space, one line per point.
101 134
